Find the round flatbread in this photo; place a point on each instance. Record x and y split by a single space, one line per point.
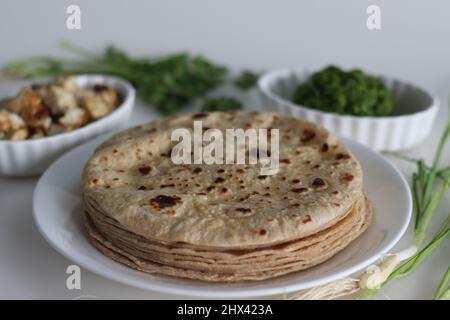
132 180
234 265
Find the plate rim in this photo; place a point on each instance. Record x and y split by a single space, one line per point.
217 293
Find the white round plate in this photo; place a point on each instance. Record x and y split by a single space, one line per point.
58 214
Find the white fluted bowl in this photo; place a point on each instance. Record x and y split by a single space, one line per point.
31 157
412 121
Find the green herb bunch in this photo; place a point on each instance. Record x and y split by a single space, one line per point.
168 82
428 186
345 92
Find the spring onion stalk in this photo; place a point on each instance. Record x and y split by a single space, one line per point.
411 264
428 213
437 159
443 291
426 197
442 174
423 185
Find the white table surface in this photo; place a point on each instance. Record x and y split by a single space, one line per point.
31 269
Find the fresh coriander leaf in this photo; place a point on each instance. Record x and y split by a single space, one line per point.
221 104
246 80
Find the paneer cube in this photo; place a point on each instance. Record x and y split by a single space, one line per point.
98 103
59 100
12 127
67 83
74 118
28 105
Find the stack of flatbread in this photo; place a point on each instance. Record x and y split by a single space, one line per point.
223 222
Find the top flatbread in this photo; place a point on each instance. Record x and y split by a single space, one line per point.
131 177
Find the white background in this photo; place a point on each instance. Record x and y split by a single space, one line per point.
414 44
